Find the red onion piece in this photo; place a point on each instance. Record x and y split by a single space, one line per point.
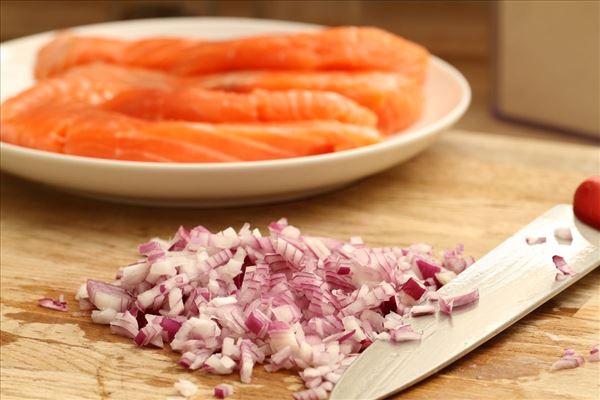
444 277
413 289
447 304
563 268
220 365
535 240
428 269
455 260
105 296
404 333
568 360
417 311
84 299
186 388
563 234
151 247
171 326
124 324
247 359
257 323
181 239
103 316
565 363
466 298
223 391
58 305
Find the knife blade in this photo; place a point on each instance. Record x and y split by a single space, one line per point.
513 279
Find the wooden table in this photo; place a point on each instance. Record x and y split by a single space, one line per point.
472 188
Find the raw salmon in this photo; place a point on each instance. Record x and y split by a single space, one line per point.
81 129
93 84
155 95
258 106
344 48
395 99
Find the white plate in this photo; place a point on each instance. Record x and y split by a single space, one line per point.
447 96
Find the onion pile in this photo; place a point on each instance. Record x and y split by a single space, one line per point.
230 300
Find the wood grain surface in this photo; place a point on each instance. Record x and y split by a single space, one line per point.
472 188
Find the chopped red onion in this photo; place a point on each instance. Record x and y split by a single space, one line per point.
568 360
257 323
447 305
563 234
103 316
230 300
455 260
428 269
186 388
106 296
563 268
594 354
535 240
404 333
566 363
58 305
444 277
417 311
84 299
124 324
466 298
222 365
223 391
413 291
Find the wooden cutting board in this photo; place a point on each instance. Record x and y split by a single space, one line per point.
472 188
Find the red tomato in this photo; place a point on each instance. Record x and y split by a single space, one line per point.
586 203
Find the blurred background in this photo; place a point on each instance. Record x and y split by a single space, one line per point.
533 65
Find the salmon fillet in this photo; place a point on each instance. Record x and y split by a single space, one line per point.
93 84
395 99
258 106
344 48
84 130
155 95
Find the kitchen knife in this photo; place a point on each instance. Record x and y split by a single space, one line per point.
513 279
